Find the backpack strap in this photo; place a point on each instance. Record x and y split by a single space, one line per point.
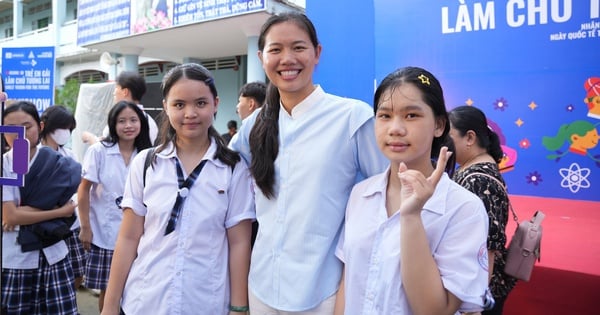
147 163
515 218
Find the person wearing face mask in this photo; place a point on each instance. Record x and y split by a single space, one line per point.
57 123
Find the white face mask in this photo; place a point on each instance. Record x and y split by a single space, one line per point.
61 136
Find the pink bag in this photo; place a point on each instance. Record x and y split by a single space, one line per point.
524 248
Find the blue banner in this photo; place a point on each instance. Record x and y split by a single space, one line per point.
29 75
532 66
112 19
102 20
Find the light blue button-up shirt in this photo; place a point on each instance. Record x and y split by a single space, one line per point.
326 145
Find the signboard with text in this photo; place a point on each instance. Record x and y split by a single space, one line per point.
531 66
28 74
112 19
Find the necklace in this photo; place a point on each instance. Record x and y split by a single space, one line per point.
467 163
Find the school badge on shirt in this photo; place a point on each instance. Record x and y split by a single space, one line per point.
482 256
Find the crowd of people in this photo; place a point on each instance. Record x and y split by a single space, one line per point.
408 218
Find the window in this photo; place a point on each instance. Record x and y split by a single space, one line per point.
42 23
8 32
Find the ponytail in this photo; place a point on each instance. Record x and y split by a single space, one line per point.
494 149
264 143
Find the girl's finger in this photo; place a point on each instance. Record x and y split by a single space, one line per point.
440 166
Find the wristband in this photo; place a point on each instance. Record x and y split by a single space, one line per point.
240 309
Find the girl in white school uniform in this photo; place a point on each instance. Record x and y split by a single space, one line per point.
105 167
57 124
184 244
34 282
414 241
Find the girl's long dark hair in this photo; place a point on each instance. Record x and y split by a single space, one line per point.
264 136
193 71
142 141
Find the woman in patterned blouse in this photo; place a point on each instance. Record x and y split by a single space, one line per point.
478 153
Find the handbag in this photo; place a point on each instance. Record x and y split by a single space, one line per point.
525 248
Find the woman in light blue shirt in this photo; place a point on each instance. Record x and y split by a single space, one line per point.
306 150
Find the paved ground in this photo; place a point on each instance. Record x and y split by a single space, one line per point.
87 302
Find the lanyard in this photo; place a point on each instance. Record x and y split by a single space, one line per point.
184 190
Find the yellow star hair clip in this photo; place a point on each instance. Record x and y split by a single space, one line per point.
424 79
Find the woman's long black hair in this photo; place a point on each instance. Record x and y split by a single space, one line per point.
264 136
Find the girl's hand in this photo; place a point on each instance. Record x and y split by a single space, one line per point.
7 228
85 236
69 208
416 189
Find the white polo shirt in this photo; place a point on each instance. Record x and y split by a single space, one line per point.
186 271
12 256
106 169
456 224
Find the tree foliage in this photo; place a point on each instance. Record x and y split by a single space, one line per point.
67 95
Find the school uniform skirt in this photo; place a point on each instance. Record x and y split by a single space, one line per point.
77 255
45 290
98 267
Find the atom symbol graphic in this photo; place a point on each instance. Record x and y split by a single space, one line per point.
574 177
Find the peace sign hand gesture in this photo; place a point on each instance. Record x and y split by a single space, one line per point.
416 189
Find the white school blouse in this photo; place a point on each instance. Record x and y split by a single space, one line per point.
12 256
106 169
187 271
456 224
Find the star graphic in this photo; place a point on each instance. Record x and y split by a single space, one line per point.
574 177
519 122
533 105
469 102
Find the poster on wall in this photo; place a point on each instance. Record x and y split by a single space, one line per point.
532 66
28 74
99 21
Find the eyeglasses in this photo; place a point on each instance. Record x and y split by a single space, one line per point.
118 201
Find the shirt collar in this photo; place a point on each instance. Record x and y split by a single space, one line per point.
170 152
436 204
305 105
113 149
